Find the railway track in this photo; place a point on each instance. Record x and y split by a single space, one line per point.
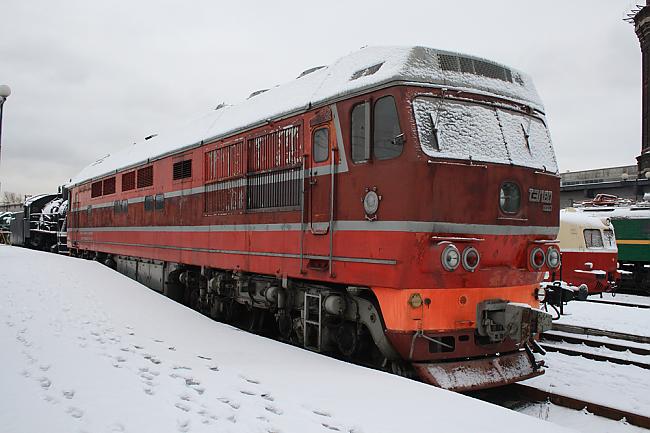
620 304
515 395
573 336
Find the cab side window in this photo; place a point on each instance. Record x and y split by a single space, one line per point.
320 144
388 140
360 134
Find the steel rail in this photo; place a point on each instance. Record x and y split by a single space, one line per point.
594 356
534 394
620 304
594 343
573 329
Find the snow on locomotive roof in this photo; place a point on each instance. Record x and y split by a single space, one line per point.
622 212
582 219
357 72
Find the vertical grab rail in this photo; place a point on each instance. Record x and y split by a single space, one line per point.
332 173
302 210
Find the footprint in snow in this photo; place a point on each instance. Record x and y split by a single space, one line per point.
331 427
273 410
183 407
181 367
183 425
230 403
68 393
246 392
45 382
75 412
267 397
44 367
207 358
321 413
249 380
214 368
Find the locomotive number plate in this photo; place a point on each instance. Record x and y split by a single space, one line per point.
540 196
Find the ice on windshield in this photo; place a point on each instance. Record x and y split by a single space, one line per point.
461 130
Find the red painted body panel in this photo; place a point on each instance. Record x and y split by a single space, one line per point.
395 255
573 262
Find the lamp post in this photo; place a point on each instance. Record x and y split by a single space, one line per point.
5 91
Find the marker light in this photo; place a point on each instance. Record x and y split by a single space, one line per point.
471 259
415 300
537 258
450 257
553 258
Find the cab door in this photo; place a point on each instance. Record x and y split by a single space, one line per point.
319 184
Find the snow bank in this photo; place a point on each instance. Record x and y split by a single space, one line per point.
610 317
87 349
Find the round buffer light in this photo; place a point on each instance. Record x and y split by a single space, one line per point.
471 259
450 257
415 300
553 258
537 258
540 294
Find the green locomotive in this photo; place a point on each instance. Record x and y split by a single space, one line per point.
632 227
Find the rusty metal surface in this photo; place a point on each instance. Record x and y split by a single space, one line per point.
594 356
550 336
475 374
536 394
600 332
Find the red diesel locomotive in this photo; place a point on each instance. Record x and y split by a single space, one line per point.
398 208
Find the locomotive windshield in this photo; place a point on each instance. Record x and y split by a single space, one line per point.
462 130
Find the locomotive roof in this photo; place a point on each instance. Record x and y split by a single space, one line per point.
578 218
355 73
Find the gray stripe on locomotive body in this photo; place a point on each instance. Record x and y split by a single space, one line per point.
249 253
379 226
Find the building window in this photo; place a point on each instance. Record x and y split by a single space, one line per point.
160 201
109 186
96 189
145 177
182 169
593 238
360 138
388 140
128 181
320 144
148 202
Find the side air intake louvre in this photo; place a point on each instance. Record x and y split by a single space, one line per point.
468 65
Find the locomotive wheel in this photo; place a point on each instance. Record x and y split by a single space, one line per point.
285 326
347 339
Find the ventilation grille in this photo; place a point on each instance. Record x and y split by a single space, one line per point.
128 181
182 169
109 186
145 177
468 65
96 189
366 71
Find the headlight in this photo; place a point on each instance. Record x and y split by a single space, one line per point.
450 258
553 258
540 294
471 259
537 258
415 300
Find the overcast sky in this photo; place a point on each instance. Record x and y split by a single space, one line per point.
90 77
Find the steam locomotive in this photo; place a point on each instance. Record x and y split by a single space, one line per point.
398 208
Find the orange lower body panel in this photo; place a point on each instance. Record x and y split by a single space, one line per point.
444 308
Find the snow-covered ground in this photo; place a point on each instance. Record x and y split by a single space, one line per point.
579 420
85 349
621 297
610 317
624 387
